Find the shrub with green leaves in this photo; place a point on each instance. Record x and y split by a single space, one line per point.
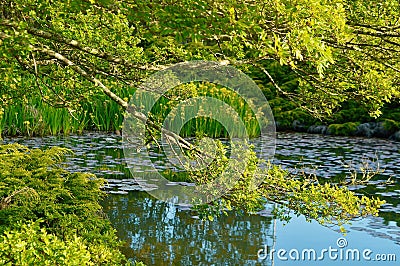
346 129
49 216
391 125
32 245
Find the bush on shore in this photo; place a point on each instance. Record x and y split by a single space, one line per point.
49 216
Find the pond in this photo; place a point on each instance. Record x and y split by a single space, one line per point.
159 233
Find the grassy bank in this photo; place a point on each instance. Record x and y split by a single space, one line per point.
37 118
49 216
33 117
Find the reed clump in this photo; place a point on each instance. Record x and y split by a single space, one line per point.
34 117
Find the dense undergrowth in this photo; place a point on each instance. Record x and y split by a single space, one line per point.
290 114
49 216
35 117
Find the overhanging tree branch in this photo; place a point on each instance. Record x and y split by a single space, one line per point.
131 109
77 45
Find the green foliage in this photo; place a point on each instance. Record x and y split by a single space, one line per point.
68 225
351 115
285 118
338 50
346 129
392 112
34 117
391 125
29 244
320 201
70 51
203 123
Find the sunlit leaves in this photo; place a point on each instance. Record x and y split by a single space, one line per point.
50 216
326 43
323 202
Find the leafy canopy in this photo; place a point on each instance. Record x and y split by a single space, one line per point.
339 50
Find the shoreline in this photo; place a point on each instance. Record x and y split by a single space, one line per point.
348 129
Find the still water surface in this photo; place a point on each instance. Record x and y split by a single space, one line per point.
159 233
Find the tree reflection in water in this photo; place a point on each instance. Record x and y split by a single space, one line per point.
159 233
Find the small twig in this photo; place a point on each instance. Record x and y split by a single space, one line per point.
5 202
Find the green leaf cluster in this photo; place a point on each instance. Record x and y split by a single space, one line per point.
298 193
49 216
338 50
346 129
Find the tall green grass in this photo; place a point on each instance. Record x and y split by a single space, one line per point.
200 119
36 118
